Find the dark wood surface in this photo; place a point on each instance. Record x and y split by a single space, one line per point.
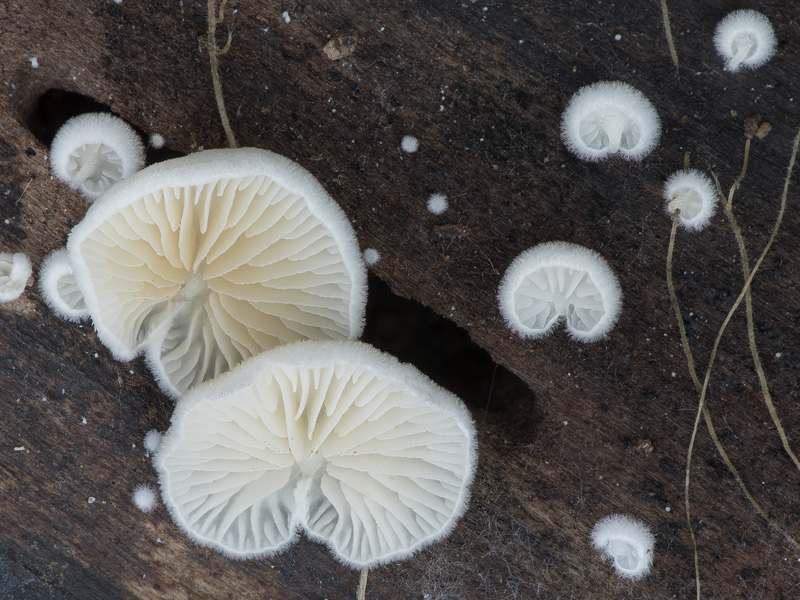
482 85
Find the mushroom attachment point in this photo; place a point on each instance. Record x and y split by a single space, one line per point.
59 288
203 261
694 195
560 280
610 117
361 452
15 270
745 39
627 542
93 151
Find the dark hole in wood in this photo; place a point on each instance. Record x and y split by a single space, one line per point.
55 107
444 352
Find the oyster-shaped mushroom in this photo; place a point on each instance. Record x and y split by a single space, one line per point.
91 152
558 280
608 118
363 453
206 260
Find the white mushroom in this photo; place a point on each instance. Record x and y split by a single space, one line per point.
558 280
363 453
206 260
93 151
15 270
745 38
610 117
694 194
59 288
627 542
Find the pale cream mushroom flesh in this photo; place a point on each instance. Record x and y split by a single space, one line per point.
206 260
337 439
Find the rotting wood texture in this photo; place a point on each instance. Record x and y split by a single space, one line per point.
482 86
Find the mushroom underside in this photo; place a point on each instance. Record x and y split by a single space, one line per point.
204 276
355 459
553 292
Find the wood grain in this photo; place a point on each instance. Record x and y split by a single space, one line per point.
482 86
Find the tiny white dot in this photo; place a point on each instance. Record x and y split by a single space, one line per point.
157 141
145 498
437 203
286 17
409 144
34 62
618 37
91 500
371 256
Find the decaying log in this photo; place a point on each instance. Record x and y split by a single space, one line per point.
594 429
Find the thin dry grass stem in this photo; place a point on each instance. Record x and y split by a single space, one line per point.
738 181
748 299
745 293
668 30
362 584
214 19
690 360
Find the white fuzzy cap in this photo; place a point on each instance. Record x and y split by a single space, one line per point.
745 38
93 151
560 280
694 194
627 542
59 288
363 453
15 270
610 117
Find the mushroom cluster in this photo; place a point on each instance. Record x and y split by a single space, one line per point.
242 282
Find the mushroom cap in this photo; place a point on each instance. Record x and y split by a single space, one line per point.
694 194
203 261
15 270
364 453
745 38
93 151
627 542
556 280
610 117
59 288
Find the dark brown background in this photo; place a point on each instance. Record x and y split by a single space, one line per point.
482 85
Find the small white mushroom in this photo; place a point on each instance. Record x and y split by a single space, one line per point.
59 288
15 270
694 194
560 280
610 117
745 38
627 542
93 151
337 439
203 261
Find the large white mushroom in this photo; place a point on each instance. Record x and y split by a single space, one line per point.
206 260
337 439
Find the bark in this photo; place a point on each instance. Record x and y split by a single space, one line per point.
579 431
